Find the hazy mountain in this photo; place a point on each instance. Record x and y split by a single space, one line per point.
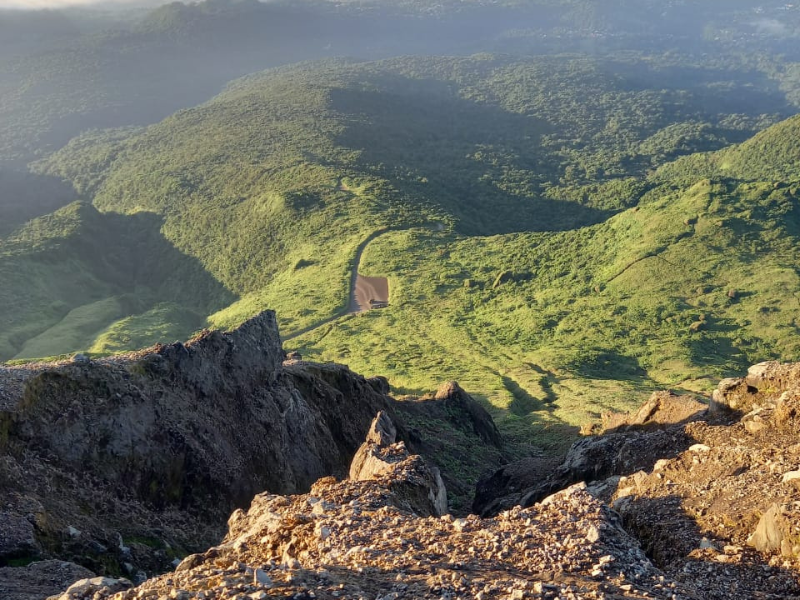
584 170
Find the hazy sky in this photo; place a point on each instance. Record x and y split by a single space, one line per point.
64 3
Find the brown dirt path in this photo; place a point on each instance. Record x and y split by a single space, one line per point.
368 290
362 289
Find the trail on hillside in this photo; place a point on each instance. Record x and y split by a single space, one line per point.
352 305
362 289
365 293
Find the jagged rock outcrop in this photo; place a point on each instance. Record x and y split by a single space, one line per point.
378 458
467 413
719 510
634 442
125 464
359 539
188 430
450 423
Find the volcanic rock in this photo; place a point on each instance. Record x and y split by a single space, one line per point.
635 442
359 539
379 456
39 579
146 454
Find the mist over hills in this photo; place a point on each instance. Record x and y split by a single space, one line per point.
62 72
529 153
563 205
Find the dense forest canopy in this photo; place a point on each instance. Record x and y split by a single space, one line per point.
575 202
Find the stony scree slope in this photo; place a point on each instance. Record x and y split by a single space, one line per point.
711 494
373 538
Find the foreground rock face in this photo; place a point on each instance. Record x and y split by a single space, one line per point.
715 516
362 540
124 464
712 496
131 461
631 443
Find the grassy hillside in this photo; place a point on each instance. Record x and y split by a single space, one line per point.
691 285
532 253
69 276
273 184
772 155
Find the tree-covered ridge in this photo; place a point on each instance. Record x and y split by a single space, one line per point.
531 250
502 127
304 162
771 155
114 73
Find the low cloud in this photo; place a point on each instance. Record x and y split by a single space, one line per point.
40 4
771 27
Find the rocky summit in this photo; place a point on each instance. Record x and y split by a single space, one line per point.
119 469
125 465
381 537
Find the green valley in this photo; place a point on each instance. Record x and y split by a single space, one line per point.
574 203
559 236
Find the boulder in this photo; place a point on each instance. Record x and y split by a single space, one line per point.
661 409
776 532
380 458
92 588
762 387
17 537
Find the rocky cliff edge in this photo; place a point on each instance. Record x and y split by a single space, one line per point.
124 465
379 536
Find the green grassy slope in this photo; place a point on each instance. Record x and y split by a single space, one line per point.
689 286
530 254
70 276
272 185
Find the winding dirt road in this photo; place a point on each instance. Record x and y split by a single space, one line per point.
362 289
365 292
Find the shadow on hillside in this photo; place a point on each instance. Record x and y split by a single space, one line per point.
25 196
714 351
610 364
523 403
86 258
136 253
728 91
475 160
